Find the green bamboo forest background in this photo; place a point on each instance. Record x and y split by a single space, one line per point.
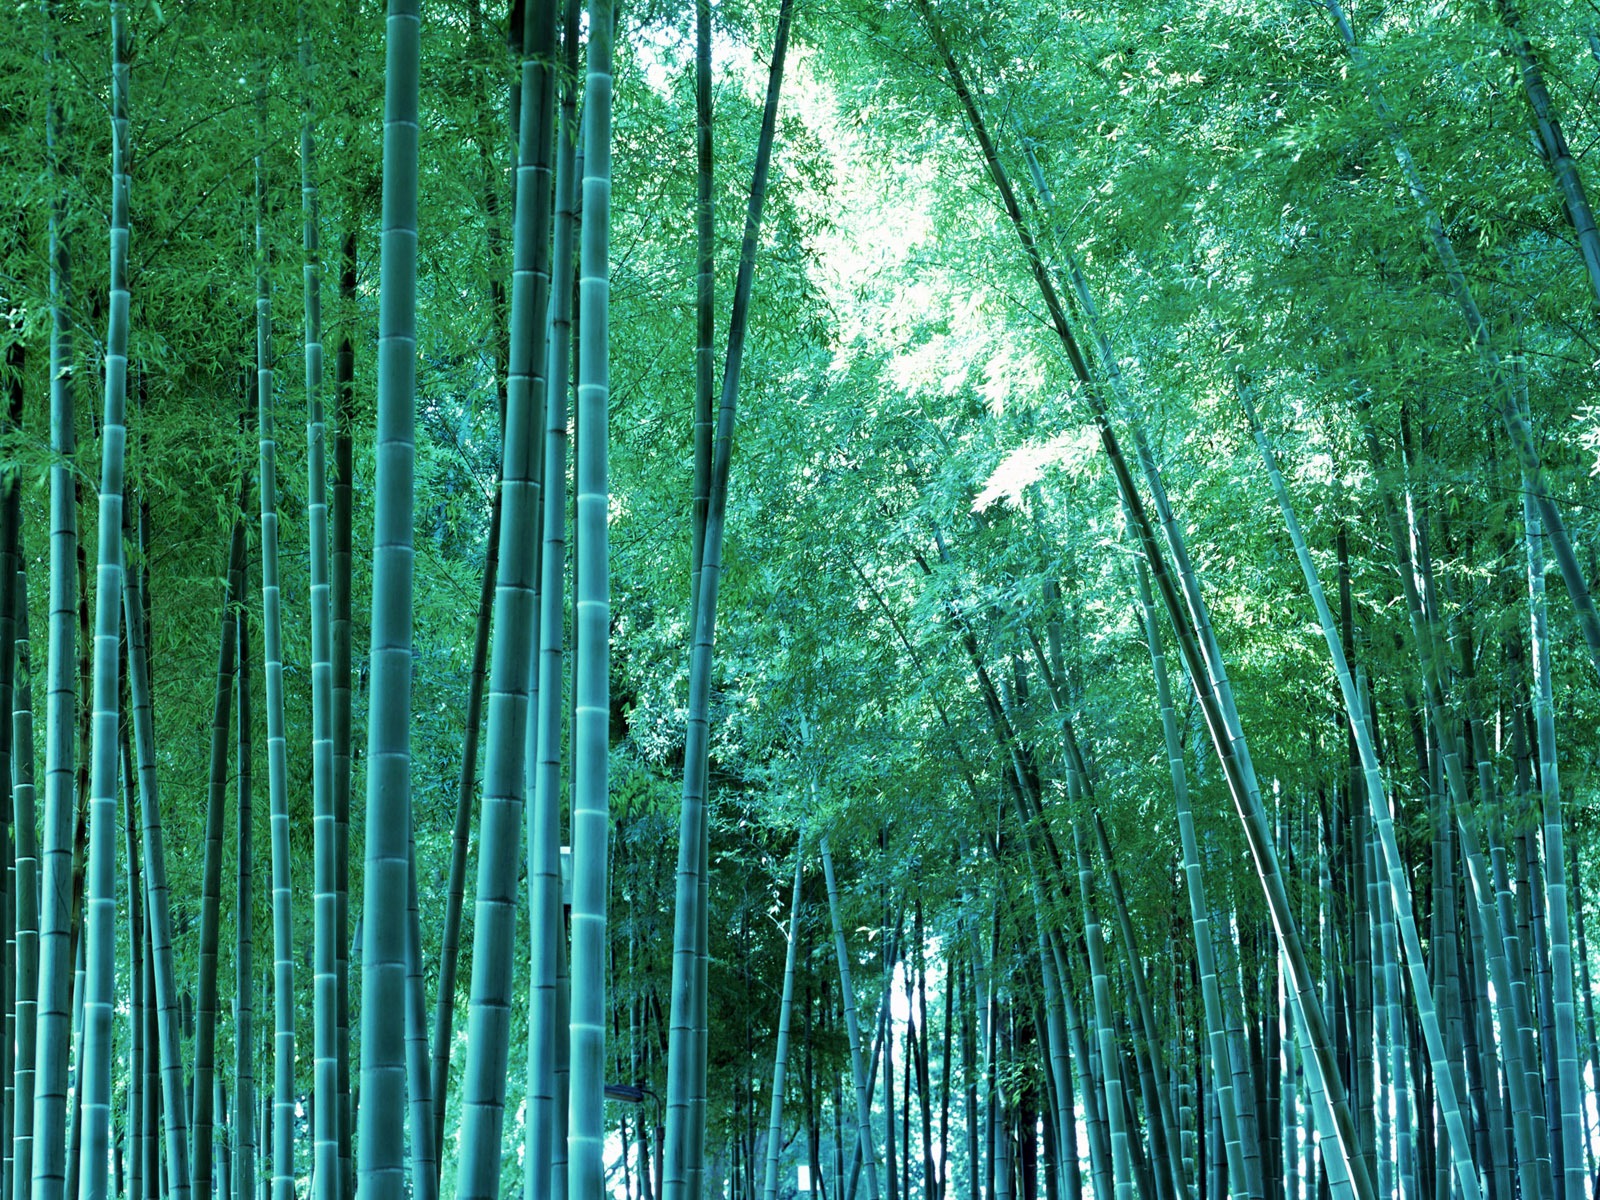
885 599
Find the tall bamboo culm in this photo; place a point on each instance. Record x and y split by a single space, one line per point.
387 858
591 672
489 1017
327 1180
94 1070
40 1128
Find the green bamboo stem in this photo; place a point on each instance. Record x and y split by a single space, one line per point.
780 1061
244 997
138 1048
424 1169
283 1041
11 597
1105 1029
40 1147
544 845
1557 154
1564 1051
1194 887
1158 1116
515 622
27 886
343 492
94 1069
327 1180
387 858
591 662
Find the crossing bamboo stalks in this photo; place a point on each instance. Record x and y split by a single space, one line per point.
1346 1168
387 858
686 1046
164 985
200 1156
780 1062
1494 368
858 1073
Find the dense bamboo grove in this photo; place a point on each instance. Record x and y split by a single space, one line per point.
976 600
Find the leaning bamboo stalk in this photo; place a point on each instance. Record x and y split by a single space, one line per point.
1461 1148
382 1114
1194 887
1347 1169
244 997
1557 154
780 1061
1564 1051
